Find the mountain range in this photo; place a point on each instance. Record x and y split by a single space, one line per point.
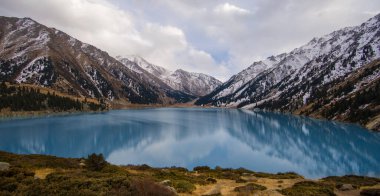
196 84
35 54
336 76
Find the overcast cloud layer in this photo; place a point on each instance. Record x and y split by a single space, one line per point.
219 38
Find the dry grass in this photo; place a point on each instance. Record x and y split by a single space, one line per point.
223 186
374 123
42 173
226 187
275 184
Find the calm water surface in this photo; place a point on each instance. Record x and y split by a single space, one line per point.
260 141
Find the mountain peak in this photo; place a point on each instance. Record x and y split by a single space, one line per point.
134 57
180 71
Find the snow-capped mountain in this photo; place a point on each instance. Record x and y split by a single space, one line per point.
196 84
289 81
35 54
149 67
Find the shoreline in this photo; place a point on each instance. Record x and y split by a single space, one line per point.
49 113
41 114
56 173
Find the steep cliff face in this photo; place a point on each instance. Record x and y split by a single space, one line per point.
35 54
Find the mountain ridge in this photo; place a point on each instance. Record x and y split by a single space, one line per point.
35 54
287 82
196 84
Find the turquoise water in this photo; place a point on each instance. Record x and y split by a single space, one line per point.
260 141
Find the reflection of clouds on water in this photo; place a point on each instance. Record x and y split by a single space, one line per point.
261 141
305 130
169 150
325 150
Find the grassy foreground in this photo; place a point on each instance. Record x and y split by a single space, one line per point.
49 175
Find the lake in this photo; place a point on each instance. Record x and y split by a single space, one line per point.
189 137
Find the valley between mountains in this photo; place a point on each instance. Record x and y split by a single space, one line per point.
336 76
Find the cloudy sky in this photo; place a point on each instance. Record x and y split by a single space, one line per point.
219 38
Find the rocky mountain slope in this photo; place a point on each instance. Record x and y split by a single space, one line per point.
35 54
289 81
354 99
196 84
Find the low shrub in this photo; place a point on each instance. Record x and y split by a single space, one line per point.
180 169
249 188
286 175
95 162
40 161
183 186
356 181
113 169
143 167
370 192
211 180
309 188
202 168
148 187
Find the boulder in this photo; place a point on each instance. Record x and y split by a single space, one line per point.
172 189
4 166
165 182
250 178
346 187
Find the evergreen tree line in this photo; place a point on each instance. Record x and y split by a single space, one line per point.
29 99
371 95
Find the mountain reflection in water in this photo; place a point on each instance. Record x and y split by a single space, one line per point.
260 141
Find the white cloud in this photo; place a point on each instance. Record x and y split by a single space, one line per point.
215 37
116 31
227 8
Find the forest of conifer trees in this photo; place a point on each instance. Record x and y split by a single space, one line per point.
30 99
